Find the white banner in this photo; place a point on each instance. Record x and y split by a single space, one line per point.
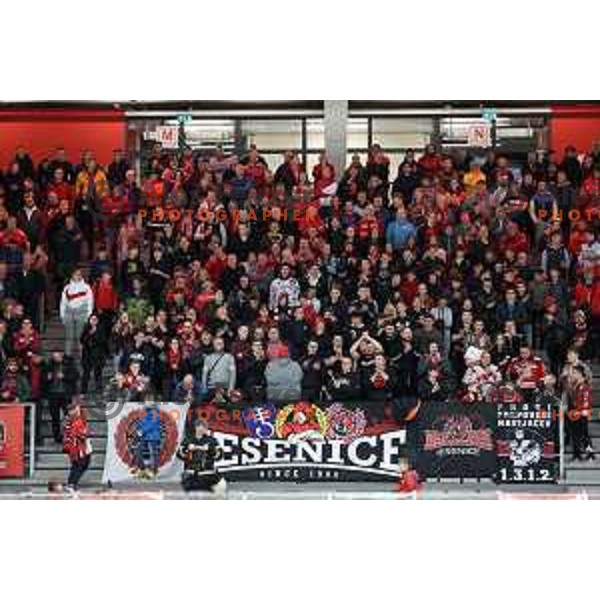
142 442
168 136
480 136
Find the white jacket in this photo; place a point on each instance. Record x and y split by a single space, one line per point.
77 297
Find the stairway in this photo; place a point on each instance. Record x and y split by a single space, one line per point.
51 464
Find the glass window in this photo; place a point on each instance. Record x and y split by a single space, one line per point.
357 133
454 131
521 134
315 134
402 133
210 133
273 134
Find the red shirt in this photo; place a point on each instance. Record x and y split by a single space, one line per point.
529 373
366 227
105 296
75 437
582 397
516 243
14 237
63 190
429 164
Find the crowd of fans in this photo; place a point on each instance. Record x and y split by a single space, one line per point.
464 279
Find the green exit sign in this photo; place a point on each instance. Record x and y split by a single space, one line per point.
489 114
184 118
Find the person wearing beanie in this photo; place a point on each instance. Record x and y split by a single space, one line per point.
76 306
284 378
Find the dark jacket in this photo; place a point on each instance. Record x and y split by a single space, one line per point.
343 387
94 346
406 366
199 460
59 379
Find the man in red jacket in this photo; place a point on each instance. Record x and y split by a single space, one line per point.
527 370
580 415
106 301
429 164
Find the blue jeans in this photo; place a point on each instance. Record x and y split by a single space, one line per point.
152 449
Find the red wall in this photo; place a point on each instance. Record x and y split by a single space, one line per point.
574 125
41 131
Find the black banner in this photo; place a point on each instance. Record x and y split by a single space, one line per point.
526 444
452 440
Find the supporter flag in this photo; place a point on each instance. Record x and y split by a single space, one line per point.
142 443
12 459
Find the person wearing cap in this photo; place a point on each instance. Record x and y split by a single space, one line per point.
199 452
284 378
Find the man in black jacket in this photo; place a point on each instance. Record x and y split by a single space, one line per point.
59 384
28 286
199 451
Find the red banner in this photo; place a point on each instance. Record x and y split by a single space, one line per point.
12 455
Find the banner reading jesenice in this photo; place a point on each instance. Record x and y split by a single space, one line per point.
306 442
12 447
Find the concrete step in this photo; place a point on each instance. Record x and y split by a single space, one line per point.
43 476
61 461
583 477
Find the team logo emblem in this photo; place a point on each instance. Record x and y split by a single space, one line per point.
345 424
135 443
458 432
301 421
524 452
260 421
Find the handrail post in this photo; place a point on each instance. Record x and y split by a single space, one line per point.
561 439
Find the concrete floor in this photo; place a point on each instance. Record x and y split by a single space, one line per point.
317 491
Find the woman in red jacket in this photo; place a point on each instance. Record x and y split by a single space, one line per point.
76 444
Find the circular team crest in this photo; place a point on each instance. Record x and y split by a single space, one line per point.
301 421
127 437
345 424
